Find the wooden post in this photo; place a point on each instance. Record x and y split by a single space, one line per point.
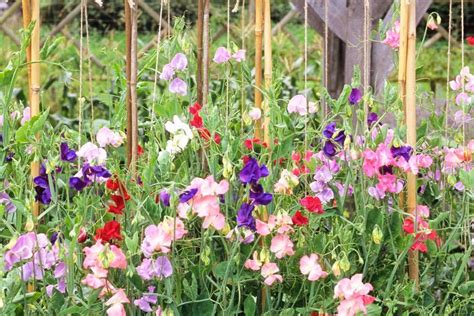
205 52
258 62
200 24
267 70
26 21
131 72
410 118
407 80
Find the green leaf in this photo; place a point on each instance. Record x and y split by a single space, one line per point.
191 289
467 178
250 307
287 312
31 127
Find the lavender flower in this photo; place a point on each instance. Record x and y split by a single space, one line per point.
9 206
160 268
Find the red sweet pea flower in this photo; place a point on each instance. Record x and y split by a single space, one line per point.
197 121
299 219
195 108
112 184
217 138
140 151
470 40
119 204
312 204
111 230
296 157
82 235
204 133
115 184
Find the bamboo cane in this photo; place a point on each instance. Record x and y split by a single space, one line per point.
200 25
133 88
26 21
410 118
258 61
35 82
205 52
268 70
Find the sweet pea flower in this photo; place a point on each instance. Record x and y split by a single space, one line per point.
281 246
105 137
353 295
178 86
116 304
252 172
312 204
269 271
222 55
286 183
253 264
392 37
148 298
355 96
66 153
239 55
310 266
92 154
255 113
299 104
160 268
26 115
179 62
167 73
9 206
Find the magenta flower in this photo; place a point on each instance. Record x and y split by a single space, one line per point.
221 56
178 86
392 38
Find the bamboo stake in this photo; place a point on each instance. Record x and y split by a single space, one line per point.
268 70
258 61
200 25
403 51
133 87
410 118
26 21
205 52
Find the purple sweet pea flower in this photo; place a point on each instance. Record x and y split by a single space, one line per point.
54 237
22 250
252 172
167 73
244 216
187 195
402 151
178 86
9 156
258 196
372 118
329 149
222 55
179 62
77 183
340 138
43 195
329 130
5 199
163 267
355 96
67 154
144 303
165 198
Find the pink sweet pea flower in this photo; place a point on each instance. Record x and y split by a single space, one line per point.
463 98
253 264
106 136
310 266
239 55
353 294
116 304
179 62
26 115
92 154
269 271
392 37
221 56
262 228
282 246
178 86
299 104
255 113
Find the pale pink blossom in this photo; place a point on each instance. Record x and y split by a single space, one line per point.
353 294
253 264
309 266
116 304
269 272
179 62
106 136
299 104
92 154
255 113
26 115
463 99
281 246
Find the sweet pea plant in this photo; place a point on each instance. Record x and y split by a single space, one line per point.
218 222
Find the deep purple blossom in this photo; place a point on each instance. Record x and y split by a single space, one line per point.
9 156
329 149
43 192
340 138
355 96
252 172
244 216
67 154
77 183
402 151
258 196
165 198
95 171
372 118
187 195
329 130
